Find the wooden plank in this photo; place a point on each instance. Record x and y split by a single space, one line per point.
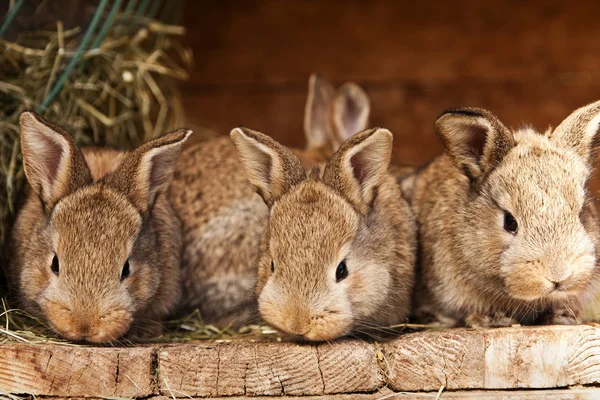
529 357
281 42
56 370
425 361
268 369
384 394
533 358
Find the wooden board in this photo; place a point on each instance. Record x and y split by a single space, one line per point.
385 394
281 42
527 358
408 110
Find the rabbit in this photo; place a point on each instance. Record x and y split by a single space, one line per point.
508 231
339 248
223 218
96 246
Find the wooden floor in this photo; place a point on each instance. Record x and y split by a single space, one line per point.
511 363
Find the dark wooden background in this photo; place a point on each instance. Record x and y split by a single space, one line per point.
529 62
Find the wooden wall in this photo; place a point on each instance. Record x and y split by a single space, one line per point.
529 62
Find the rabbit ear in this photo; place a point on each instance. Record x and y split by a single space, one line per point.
146 172
474 139
360 165
579 131
320 93
349 113
271 168
54 165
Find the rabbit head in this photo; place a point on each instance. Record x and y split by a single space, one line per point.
325 265
525 227
91 254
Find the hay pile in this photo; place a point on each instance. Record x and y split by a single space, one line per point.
113 85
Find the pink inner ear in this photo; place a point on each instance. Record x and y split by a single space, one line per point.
52 155
477 136
266 165
350 116
162 166
359 167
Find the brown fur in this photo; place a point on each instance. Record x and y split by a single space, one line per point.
223 218
353 212
94 212
473 270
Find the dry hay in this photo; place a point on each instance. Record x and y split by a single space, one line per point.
119 92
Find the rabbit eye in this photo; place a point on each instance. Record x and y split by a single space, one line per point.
510 223
125 272
272 266
341 272
55 267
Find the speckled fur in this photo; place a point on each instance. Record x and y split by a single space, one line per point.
350 211
95 218
473 271
223 218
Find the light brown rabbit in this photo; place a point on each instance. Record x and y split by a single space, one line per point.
507 228
96 247
223 218
338 252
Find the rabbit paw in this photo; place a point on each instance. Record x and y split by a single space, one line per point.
496 320
562 316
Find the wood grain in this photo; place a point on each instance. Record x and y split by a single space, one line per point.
532 358
268 369
384 394
528 358
56 370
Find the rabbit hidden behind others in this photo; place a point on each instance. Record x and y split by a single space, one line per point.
508 231
224 219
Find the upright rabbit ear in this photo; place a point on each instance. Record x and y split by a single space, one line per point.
358 168
271 168
475 140
580 131
320 94
53 163
349 113
147 171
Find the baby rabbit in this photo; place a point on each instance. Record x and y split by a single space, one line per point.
96 247
223 218
508 231
338 251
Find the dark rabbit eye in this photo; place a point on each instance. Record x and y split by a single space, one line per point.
510 223
272 266
125 272
341 272
55 267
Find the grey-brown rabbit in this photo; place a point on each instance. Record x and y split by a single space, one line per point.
223 218
96 247
508 230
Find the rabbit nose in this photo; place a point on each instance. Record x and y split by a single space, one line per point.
560 284
298 326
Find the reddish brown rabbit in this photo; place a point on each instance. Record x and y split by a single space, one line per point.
507 227
338 252
223 218
96 247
